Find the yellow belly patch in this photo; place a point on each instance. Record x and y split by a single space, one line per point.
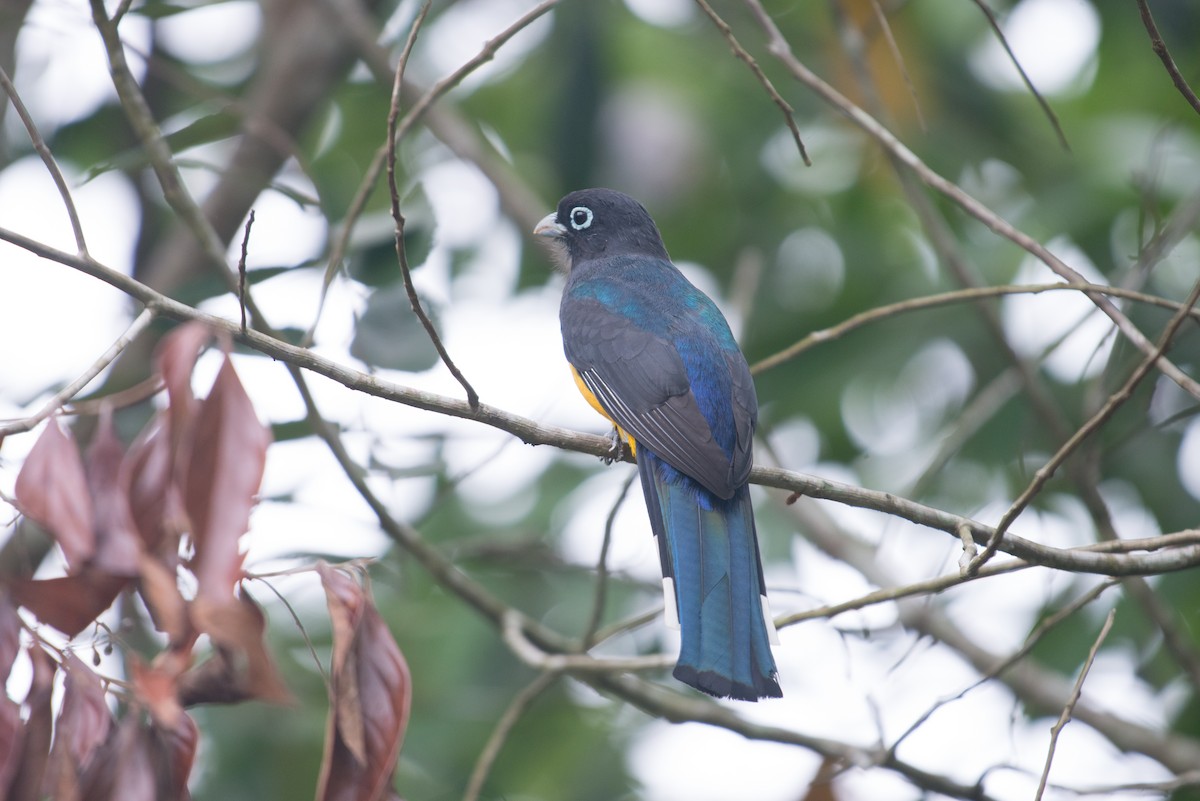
594 402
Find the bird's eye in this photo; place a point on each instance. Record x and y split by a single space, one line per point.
581 217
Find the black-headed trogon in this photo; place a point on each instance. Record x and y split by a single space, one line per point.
654 355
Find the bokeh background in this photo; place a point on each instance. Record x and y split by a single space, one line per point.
280 106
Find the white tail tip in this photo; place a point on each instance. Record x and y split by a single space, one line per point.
772 633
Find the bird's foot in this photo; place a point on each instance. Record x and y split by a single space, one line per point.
616 447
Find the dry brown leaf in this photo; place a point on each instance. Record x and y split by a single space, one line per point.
69 603
174 753
52 490
176 357
155 502
83 725
10 634
155 687
10 740
35 736
238 627
370 696
83 720
159 588
123 769
117 544
223 476
10 710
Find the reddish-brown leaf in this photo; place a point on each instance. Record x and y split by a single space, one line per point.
35 738
10 635
10 710
160 590
371 695
155 502
154 686
174 753
83 725
10 741
346 599
123 769
84 720
238 627
216 680
177 354
223 476
52 490
117 543
68 603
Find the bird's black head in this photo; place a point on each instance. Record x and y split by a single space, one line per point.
599 223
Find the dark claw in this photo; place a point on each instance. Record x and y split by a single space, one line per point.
616 447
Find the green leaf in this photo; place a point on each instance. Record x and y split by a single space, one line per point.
390 336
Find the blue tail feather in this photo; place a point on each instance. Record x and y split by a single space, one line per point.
709 548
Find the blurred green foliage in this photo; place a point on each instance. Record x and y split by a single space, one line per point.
727 199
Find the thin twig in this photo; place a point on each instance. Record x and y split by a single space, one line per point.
629 624
946 299
885 27
739 51
1164 55
401 255
1179 548
515 637
416 112
1035 636
1041 101
158 152
94 369
241 268
491 749
1076 691
892 594
593 624
1114 402
142 390
43 150
1178 557
312 650
778 46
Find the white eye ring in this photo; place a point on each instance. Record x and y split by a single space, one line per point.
581 217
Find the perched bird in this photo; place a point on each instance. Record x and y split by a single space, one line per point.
654 355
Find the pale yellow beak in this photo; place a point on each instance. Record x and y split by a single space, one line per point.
549 226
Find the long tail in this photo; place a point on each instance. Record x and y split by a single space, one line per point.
711 565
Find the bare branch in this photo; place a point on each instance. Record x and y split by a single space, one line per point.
241 269
1164 55
778 46
886 28
419 109
739 51
138 112
1025 650
517 641
1046 471
1080 560
401 255
65 394
1069 708
1041 101
39 144
971 294
491 749
589 633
